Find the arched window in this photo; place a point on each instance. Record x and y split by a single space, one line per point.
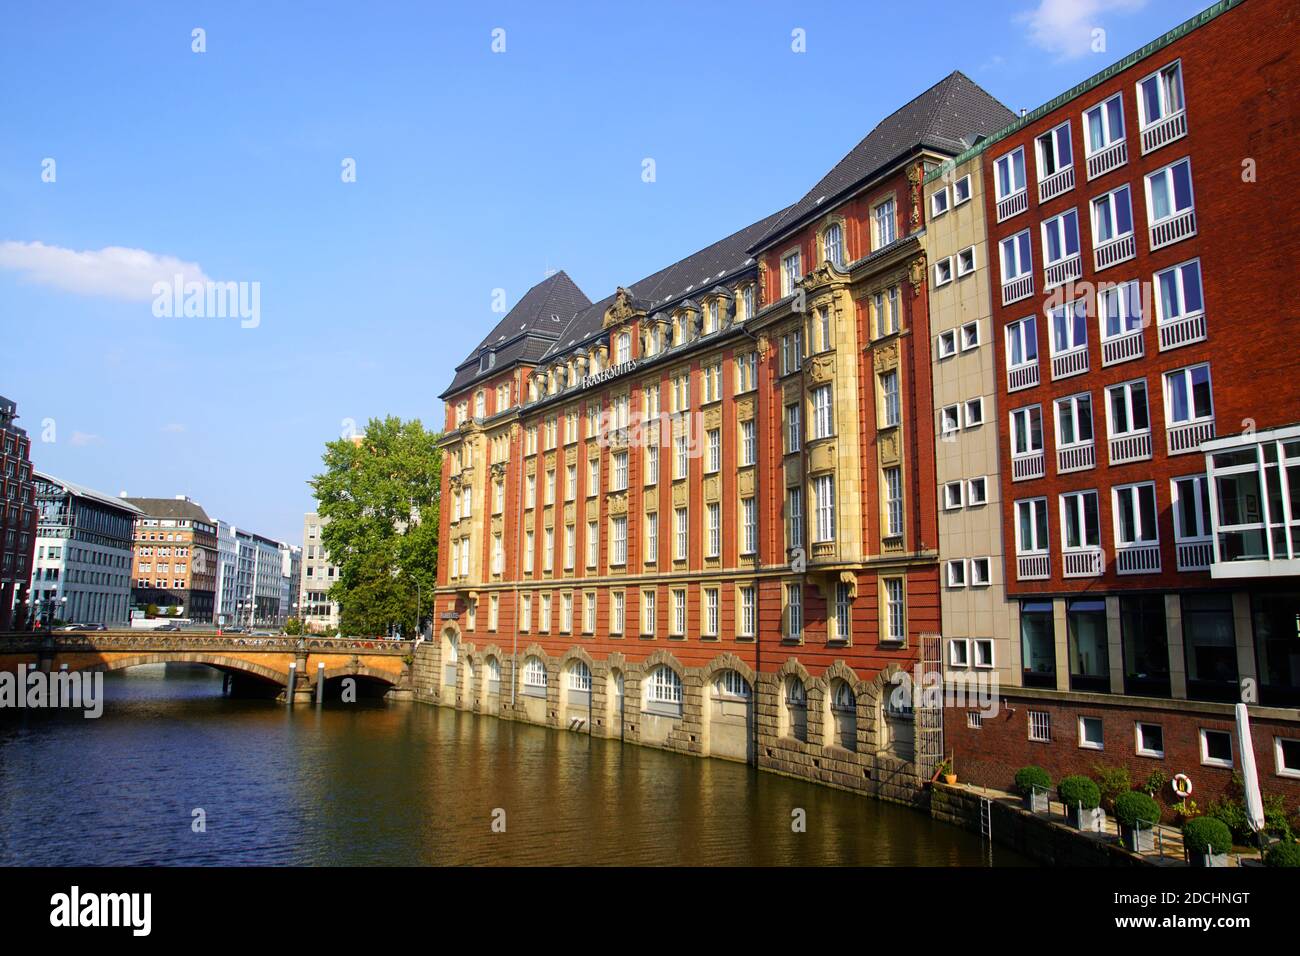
731 684
493 670
833 244
795 694
480 404
624 347
534 673
579 676
844 697
664 686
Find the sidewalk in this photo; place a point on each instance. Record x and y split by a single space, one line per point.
1168 850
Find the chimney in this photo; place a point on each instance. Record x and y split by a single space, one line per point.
123 494
1023 112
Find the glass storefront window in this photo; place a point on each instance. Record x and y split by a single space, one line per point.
1037 644
1146 645
1089 654
1210 644
1277 647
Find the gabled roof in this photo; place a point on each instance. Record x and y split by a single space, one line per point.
948 117
527 330
170 508
83 492
694 275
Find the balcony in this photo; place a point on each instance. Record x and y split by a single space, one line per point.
1083 562
1181 331
1021 287
1076 458
1033 567
1117 250
1174 229
1122 348
1137 558
1195 554
1061 181
1188 437
1029 466
1022 376
1128 448
1112 157
1013 205
1073 362
1058 273
1165 131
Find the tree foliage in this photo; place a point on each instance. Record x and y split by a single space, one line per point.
378 498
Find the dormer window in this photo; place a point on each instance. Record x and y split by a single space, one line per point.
711 317
486 361
747 303
623 347
833 244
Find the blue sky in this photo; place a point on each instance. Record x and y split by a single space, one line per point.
475 171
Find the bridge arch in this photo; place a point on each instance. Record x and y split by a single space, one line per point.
221 662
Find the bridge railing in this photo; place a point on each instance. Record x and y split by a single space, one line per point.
31 642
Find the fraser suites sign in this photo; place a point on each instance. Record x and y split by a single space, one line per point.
614 371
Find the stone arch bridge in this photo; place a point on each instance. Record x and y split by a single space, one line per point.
384 665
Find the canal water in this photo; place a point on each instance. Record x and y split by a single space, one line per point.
375 783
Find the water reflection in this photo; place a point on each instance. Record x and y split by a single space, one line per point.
371 783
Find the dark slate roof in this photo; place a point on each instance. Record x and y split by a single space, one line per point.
694 275
170 508
528 329
947 117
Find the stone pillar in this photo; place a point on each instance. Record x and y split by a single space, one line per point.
1061 633
1174 637
1115 644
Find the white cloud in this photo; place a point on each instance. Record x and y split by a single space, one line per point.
1064 27
115 272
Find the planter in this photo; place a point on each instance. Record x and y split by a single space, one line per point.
950 778
1206 859
1036 802
1086 820
1137 840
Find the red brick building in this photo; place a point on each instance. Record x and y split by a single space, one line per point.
699 512
17 518
1140 231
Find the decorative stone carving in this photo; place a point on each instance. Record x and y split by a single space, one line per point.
916 274
745 482
744 409
713 417
617 503
712 488
887 442
821 457
621 310
886 356
822 368
681 493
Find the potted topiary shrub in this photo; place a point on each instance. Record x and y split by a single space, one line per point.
1206 841
1082 799
1283 854
1035 786
1137 814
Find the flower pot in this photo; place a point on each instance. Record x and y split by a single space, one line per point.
1137 840
1088 820
950 778
1206 859
1036 801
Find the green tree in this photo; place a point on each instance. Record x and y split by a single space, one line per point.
379 498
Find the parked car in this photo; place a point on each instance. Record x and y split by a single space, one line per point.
168 627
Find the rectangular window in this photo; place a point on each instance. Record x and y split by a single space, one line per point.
593 543
1150 739
895 614
1112 218
714 461
683 536
1145 643
529 551
548 549
544 624
1119 312
1016 257
1187 395
618 532
1210 646
748 443
893 486
961 191
1128 409
1091 734
746 370
794 611
791 273
1080 525
680 457
884 226
1169 195
824 488
1054 153
570 547
1060 240
1031 526
953 495
713 513
748 611
679 612
525 612
1009 174
794 517
943 271
1085 622
1037 643
1040 726
749 526
617 605
1160 95
1074 420
823 412
891 408
648 612
710 623
1104 125
618 480
1022 351
793 428
843 611
652 464
1216 748
1027 431
1135 514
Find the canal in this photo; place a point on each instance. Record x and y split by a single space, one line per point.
374 783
